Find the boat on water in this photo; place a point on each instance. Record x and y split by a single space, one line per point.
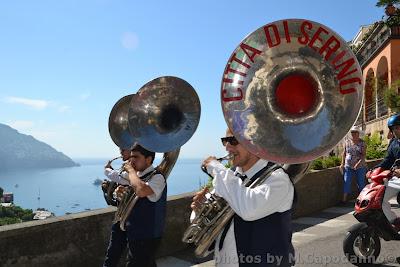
41 214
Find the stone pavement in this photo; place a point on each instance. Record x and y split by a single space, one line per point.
305 230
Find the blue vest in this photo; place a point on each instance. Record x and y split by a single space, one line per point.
266 241
147 218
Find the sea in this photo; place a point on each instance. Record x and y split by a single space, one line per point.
70 190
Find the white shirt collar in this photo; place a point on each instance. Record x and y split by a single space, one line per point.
146 171
261 163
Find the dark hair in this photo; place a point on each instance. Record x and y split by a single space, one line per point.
146 153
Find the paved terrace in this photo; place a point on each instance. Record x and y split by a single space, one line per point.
309 232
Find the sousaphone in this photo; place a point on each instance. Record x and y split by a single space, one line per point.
291 91
162 116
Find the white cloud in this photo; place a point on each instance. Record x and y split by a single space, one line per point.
38 104
63 108
33 103
21 125
59 107
129 40
85 96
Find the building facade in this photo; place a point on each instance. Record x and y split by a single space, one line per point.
377 48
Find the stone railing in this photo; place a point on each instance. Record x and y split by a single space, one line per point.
81 239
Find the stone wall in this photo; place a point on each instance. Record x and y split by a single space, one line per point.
378 126
81 239
321 189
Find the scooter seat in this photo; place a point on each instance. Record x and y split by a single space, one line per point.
378 178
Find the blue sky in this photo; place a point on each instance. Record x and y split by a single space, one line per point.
64 64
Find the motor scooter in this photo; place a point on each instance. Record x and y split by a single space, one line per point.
362 243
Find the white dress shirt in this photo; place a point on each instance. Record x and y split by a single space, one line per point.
275 194
156 183
117 176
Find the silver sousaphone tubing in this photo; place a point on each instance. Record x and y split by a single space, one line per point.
291 91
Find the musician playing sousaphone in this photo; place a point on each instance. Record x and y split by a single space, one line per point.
119 132
290 92
260 230
161 117
145 224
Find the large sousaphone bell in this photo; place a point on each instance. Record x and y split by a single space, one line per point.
164 114
291 91
161 116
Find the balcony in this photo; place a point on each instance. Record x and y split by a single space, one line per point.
379 36
382 108
360 117
370 112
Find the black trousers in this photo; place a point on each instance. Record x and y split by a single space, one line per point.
116 246
141 252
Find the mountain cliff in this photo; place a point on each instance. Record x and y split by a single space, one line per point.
20 151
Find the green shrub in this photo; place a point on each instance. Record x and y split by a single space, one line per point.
14 214
331 161
376 149
391 96
317 164
325 162
9 220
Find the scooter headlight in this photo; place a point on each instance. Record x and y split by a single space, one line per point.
364 203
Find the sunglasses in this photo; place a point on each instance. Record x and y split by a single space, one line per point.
230 139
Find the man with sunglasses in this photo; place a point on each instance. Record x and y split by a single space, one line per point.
260 233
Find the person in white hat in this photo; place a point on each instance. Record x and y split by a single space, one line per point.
353 162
